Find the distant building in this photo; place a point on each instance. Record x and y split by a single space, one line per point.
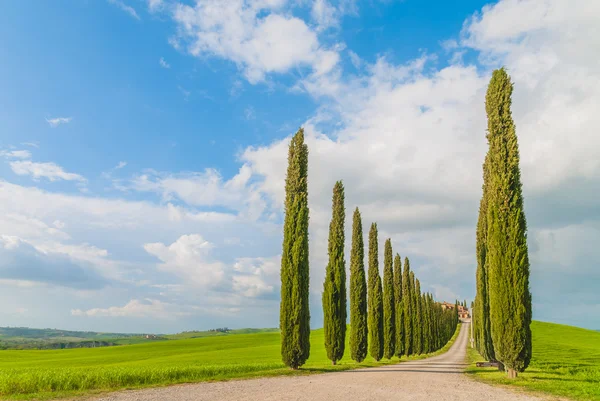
463 312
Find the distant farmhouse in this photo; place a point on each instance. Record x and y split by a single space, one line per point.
463 312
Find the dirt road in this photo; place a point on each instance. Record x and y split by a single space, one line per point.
438 378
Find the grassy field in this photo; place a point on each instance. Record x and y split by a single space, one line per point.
566 362
43 374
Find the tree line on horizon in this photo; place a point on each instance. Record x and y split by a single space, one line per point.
387 319
502 307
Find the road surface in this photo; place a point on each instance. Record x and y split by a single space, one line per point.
439 378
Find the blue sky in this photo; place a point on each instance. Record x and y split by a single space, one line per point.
143 147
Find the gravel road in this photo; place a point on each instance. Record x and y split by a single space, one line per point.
437 378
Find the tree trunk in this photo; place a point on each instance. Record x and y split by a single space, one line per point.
333 363
512 374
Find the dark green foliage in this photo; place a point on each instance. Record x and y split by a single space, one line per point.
294 308
418 325
507 260
481 313
358 293
334 288
389 303
375 296
399 306
426 323
408 308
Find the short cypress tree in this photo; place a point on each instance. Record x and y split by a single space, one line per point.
375 296
507 254
389 303
294 316
334 287
408 308
426 323
358 293
418 326
399 306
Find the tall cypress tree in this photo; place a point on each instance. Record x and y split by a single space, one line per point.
482 328
389 303
294 315
358 293
334 288
375 296
408 308
399 306
418 326
507 254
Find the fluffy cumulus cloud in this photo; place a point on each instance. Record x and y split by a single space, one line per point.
207 188
258 35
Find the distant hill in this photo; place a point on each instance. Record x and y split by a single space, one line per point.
28 338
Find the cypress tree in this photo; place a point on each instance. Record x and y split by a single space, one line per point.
507 255
408 309
418 326
425 312
399 306
334 288
358 293
294 315
482 328
375 297
389 303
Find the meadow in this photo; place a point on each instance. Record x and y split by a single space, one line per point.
566 362
44 374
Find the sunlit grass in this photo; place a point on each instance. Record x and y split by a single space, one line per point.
566 362
42 374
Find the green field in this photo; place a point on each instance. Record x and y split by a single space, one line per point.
29 374
566 362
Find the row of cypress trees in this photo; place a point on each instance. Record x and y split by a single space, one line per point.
502 306
387 319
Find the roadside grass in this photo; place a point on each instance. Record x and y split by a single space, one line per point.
565 363
50 374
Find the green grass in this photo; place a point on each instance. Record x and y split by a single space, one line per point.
43 374
566 363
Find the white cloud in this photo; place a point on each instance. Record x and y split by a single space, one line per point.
120 165
16 154
205 189
155 5
126 8
250 113
55 122
188 258
150 308
355 59
324 14
259 44
50 171
32 144
163 63
255 277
